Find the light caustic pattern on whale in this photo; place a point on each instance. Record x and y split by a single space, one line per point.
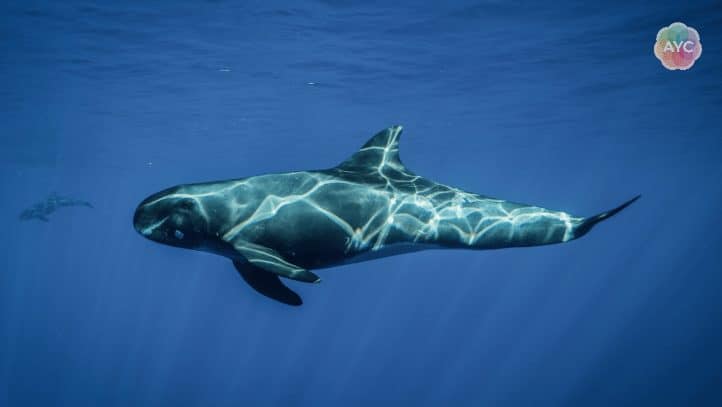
369 206
415 209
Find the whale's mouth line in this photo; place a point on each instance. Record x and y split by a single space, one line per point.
148 230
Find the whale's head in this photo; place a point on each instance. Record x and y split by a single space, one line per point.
172 217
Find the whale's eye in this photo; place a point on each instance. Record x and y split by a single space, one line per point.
186 204
178 234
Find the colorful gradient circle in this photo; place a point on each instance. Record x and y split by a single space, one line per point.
678 46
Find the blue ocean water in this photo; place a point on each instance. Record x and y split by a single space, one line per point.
559 104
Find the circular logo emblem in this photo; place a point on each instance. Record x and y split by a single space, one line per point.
678 46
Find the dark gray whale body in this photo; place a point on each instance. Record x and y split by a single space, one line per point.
52 203
369 206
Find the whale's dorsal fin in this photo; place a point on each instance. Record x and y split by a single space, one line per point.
381 149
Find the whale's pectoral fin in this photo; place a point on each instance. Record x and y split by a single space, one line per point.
267 283
271 261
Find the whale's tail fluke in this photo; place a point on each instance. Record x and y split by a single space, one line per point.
587 223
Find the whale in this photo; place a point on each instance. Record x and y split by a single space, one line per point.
42 210
286 225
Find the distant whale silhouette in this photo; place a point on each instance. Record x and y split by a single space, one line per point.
52 203
367 207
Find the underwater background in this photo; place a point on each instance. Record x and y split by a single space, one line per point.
558 104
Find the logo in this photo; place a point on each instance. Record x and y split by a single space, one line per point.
678 46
